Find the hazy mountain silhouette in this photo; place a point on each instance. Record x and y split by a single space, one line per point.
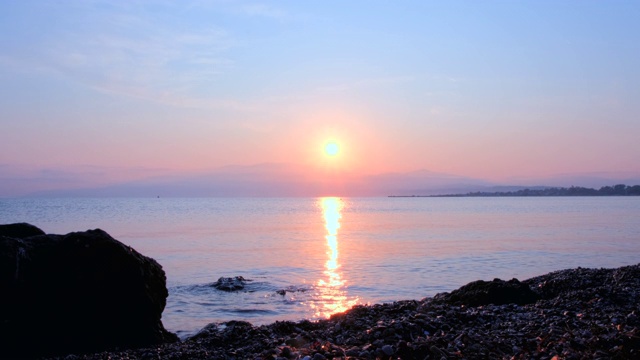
261 180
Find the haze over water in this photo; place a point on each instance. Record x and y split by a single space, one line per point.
331 253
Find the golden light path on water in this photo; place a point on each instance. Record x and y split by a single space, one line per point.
333 296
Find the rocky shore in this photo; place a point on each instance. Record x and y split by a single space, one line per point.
569 314
90 296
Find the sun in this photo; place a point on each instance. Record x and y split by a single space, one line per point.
331 148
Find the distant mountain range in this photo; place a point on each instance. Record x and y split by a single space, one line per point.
263 180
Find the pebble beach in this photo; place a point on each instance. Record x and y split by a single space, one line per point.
569 314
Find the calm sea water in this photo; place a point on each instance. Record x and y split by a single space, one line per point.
331 253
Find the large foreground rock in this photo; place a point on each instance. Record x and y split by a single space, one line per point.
80 292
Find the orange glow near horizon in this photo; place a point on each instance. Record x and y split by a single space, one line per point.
335 123
334 298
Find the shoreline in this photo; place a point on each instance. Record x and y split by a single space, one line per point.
547 191
567 314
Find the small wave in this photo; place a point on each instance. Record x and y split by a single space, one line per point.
245 311
201 303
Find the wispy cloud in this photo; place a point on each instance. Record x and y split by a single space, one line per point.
162 58
263 10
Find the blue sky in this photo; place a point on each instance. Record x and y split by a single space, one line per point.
487 89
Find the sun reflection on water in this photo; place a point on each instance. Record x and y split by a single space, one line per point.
333 296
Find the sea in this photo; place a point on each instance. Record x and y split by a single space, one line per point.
308 258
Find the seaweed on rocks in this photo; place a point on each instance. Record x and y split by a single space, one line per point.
578 314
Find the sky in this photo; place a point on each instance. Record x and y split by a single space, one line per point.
493 90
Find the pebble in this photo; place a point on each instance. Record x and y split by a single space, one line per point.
286 352
387 350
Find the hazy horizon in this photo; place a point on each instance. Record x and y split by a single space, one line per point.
102 94
269 180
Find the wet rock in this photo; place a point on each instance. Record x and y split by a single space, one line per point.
19 230
74 293
230 283
286 351
290 289
387 350
353 352
497 292
298 341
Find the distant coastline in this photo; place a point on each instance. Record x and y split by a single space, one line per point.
616 190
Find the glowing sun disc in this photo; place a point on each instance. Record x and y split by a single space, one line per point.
331 149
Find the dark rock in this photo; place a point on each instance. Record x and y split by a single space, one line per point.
290 289
354 351
298 341
286 351
387 350
19 230
230 283
75 293
497 292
